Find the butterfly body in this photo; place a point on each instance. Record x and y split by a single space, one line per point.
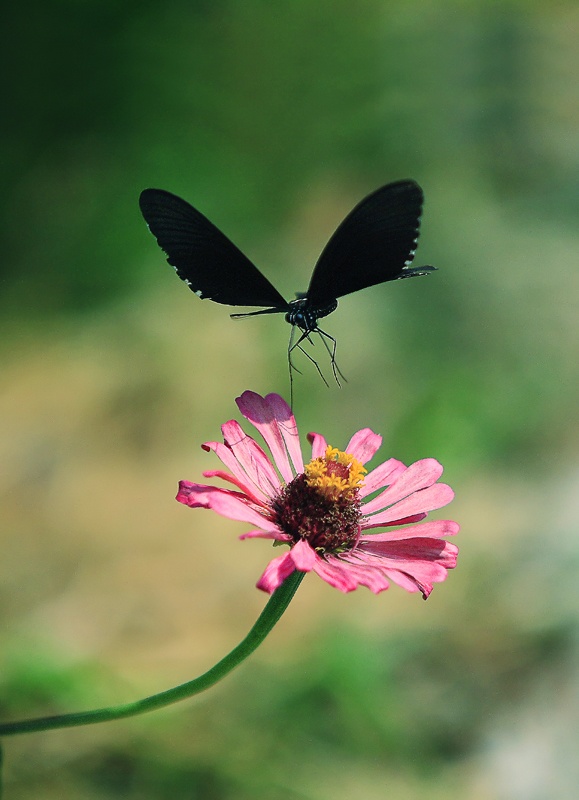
306 316
374 244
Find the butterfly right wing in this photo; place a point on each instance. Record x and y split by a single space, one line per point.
375 243
209 263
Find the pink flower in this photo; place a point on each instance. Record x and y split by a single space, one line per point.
327 510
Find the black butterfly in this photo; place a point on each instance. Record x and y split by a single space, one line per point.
375 243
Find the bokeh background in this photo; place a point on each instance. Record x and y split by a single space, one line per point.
274 119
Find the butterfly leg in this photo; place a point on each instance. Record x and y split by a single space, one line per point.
298 345
332 353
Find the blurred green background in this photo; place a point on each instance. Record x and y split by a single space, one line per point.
274 119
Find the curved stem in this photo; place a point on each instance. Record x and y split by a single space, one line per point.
270 615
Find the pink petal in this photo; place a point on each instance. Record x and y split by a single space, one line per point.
336 574
410 554
257 496
436 529
251 458
408 583
304 556
364 574
383 475
264 483
363 445
412 583
417 476
223 501
367 524
289 429
261 413
424 500
273 533
419 570
276 572
319 445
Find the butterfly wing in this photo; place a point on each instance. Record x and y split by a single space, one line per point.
210 264
375 243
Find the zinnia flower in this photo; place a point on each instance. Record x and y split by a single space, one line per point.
326 511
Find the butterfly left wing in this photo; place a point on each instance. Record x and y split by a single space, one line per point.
375 243
211 265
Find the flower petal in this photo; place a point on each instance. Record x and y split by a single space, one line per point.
419 565
251 458
272 533
408 583
363 445
401 554
277 433
264 482
223 501
413 564
435 530
319 445
364 574
303 556
276 572
257 496
289 429
336 574
412 583
384 474
415 477
420 502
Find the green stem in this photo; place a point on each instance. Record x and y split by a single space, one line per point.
270 615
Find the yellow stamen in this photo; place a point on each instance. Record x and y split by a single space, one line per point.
336 473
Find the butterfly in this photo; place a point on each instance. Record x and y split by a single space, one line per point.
375 243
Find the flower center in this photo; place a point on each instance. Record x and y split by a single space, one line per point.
321 504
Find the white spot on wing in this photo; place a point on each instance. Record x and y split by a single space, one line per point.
411 254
